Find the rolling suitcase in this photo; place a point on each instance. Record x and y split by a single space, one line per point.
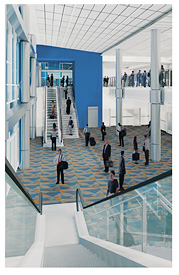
135 156
92 141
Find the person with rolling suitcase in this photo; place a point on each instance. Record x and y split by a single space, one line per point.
135 155
86 132
121 170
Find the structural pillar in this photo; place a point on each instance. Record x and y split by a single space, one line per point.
155 96
33 94
25 98
118 88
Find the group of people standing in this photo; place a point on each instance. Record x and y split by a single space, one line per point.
105 81
50 80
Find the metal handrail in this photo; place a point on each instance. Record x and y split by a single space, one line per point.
60 105
58 113
144 183
74 105
45 114
78 192
11 173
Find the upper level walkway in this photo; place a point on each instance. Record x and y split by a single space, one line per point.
86 166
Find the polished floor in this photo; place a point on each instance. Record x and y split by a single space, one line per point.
86 166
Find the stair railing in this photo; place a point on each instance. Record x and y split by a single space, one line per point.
58 115
60 110
45 120
74 105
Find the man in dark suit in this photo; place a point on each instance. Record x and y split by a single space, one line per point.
106 155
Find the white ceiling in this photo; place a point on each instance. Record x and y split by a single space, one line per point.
96 27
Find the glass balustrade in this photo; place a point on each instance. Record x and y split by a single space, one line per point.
140 219
20 220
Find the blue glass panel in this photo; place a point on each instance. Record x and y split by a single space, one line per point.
43 66
43 74
11 105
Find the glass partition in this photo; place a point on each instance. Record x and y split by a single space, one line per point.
140 219
20 221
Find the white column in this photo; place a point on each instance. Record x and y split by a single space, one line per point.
155 96
25 139
25 71
118 88
33 76
25 98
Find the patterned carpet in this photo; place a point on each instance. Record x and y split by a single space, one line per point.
86 166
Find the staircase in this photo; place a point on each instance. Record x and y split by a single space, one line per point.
65 117
51 95
72 255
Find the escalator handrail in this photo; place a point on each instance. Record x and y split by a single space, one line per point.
144 183
78 192
12 174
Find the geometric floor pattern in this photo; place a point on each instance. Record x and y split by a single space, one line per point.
86 166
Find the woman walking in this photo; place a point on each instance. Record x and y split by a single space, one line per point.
53 137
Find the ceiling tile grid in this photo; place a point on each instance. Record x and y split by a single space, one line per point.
97 27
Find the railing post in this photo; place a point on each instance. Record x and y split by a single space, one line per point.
144 224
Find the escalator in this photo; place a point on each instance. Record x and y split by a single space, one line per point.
139 218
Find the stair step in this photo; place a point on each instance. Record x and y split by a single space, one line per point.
74 255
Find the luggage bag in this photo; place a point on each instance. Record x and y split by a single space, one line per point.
135 156
92 141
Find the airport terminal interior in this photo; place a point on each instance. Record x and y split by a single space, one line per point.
70 68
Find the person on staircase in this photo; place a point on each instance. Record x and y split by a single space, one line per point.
65 91
67 81
51 80
62 81
70 125
58 161
68 103
48 80
53 137
53 110
86 132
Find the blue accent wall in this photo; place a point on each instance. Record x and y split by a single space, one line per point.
87 77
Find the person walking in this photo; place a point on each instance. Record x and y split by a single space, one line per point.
53 137
51 80
70 125
86 132
146 148
103 130
121 139
53 109
106 155
112 185
58 161
122 170
68 103
135 147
